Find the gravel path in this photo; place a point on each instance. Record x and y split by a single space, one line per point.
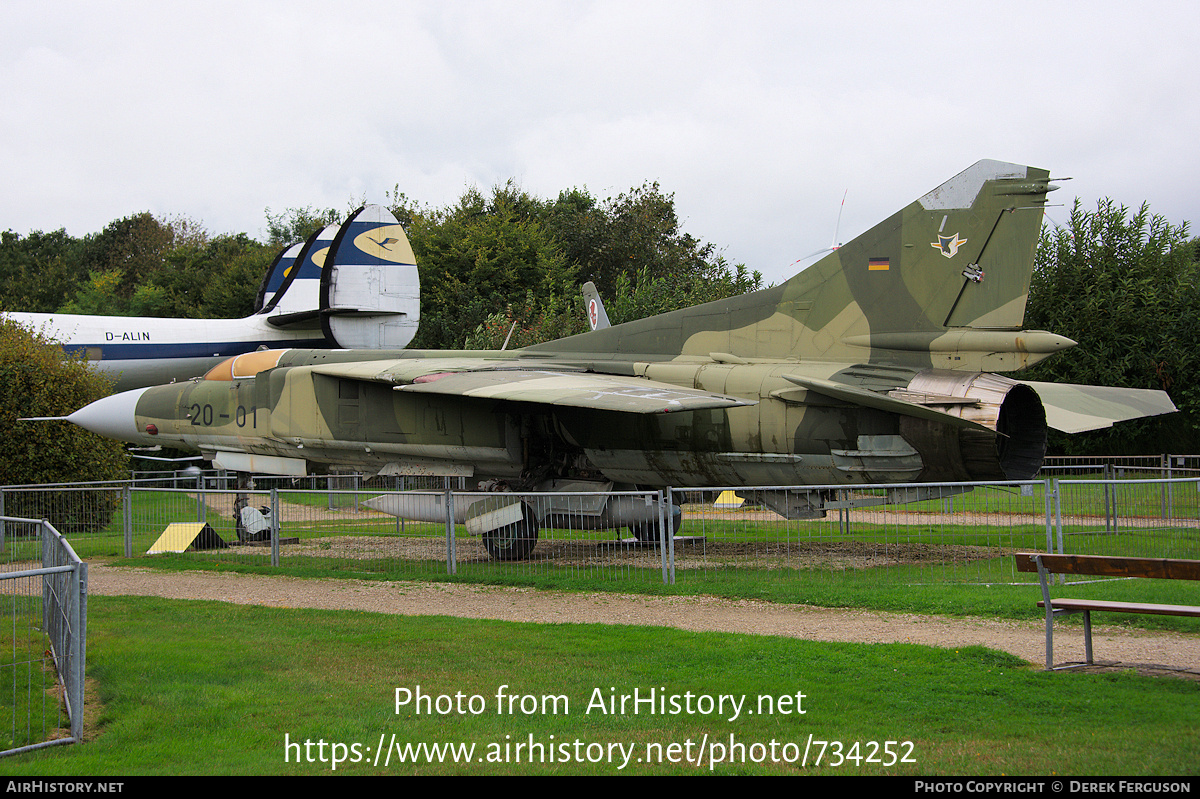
1115 647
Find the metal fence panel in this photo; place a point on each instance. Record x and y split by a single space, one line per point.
42 667
875 534
872 535
1138 518
803 537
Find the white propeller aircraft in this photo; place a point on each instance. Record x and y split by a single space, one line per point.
352 286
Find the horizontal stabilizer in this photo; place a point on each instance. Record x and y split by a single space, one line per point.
1075 409
300 319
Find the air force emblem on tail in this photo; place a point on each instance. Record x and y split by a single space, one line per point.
948 244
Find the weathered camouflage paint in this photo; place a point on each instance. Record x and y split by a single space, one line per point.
869 366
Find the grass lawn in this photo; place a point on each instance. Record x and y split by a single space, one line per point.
209 688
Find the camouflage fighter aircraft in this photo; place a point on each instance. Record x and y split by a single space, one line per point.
867 367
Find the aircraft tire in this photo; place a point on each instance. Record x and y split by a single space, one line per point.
514 542
648 533
645 532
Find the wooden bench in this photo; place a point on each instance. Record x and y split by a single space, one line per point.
1046 564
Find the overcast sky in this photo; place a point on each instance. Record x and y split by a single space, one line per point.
757 116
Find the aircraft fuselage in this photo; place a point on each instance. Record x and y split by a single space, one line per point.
789 435
144 351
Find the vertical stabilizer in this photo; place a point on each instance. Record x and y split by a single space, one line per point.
276 273
942 282
370 289
596 315
299 291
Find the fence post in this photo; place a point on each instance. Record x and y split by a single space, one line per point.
2 543
670 540
1170 488
127 508
79 655
47 580
662 541
1058 515
274 526
451 560
1115 496
1047 498
399 519
201 505
1109 516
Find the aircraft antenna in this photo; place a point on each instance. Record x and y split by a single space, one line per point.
838 226
835 245
504 346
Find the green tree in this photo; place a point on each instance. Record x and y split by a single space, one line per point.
38 379
640 294
215 279
483 254
530 321
125 260
100 295
487 261
297 224
141 266
491 261
1125 285
635 231
239 265
40 271
134 247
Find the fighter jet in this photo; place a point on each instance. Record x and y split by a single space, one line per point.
349 285
868 367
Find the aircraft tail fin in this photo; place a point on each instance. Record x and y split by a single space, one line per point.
297 282
941 283
357 281
277 272
371 292
596 315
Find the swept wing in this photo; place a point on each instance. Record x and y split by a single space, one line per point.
543 384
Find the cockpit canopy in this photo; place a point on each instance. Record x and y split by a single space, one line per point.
245 366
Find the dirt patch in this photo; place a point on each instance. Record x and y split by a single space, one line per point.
1152 653
691 552
1148 652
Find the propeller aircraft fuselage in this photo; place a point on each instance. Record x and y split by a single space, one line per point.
349 285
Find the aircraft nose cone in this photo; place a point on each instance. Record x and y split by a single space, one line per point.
111 417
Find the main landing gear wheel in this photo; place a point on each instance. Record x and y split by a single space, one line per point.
515 541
